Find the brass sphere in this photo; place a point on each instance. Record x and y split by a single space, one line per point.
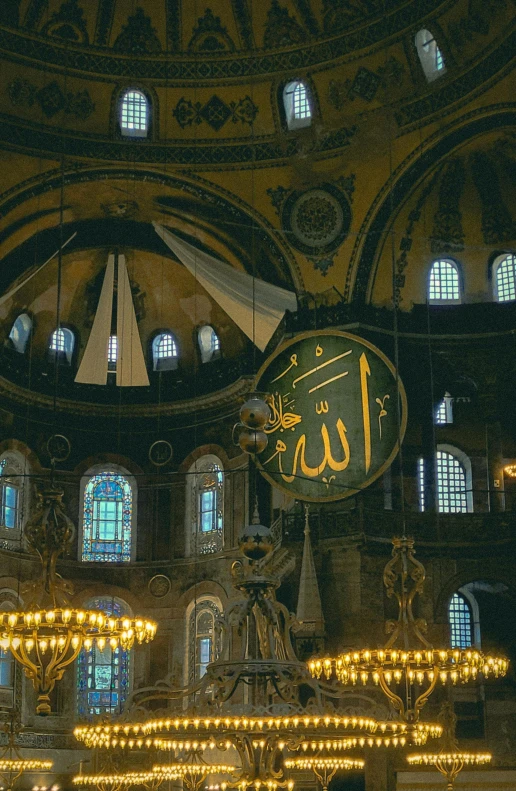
252 441
255 413
256 541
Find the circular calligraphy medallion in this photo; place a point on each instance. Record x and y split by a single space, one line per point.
160 453
318 220
334 427
58 447
159 586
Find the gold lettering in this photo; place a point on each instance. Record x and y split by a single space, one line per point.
318 350
318 367
328 382
293 362
328 460
365 371
383 411
280 419
321 407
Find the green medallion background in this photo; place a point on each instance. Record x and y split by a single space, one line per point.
334 426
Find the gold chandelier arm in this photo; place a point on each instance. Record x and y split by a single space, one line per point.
21 656
325 776
423 698
395 699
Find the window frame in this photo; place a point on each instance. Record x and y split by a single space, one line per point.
446 404
497 262
464 460
82 664
430 71
215 353
108 470
66 354
132 134
28 332
195 609
440 300
18 464
457 627
160 364
199 542
287 122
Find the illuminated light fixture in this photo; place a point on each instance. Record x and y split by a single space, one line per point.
261 725
408 668
510 470
418 736
193 774
48 636
450 760
116 781
12 765
324 769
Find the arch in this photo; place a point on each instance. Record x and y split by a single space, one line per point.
134 113
444 282
205 506
108 516
297 104
504 277
62 343
103 677
430 55
203 638
398 188
209 343
20 332
164 352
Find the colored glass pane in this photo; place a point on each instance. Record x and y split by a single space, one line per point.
107 519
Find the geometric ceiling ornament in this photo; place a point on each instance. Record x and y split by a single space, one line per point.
334 426
317 221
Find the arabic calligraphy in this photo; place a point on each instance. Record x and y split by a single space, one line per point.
330 447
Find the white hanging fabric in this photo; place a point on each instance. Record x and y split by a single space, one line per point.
255 306
93 369
131 370
13 291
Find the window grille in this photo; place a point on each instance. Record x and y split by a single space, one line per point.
113 349
296 101
443 283
206 480
301 103
166 346
506 279
430 55
134 114
421 482
459 617
203 644
451 484
444 412
9 499
57 343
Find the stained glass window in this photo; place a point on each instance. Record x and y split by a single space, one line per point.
209 343
451 484
206 480
459 617
505 275
9 497
443 285
134 114
103 676
204 647
430 55
20 332
296 100
164 352
107 519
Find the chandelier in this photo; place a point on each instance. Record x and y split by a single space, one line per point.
250 704
408 668
450 760
47 636
324 769
113 781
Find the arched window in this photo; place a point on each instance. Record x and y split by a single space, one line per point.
7 666
203 645
451 484
11 481
206 506
103 676
134 114
62 342
296 101
505 278
20 332
107 518
112 353
443 282
430 55
164 352
209 343
461 626
444 411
